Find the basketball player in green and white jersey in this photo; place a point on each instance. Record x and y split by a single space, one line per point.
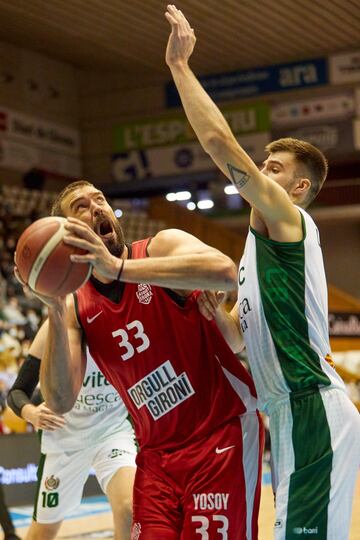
281 314
95 434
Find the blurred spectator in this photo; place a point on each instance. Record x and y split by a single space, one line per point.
12 312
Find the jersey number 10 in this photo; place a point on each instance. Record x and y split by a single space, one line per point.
50 500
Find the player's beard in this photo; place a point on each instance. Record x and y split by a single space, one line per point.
116 244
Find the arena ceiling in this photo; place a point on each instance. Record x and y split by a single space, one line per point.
131 35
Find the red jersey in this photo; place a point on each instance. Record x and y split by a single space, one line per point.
173 369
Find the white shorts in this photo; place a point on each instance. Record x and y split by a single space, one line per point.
62 476
315 444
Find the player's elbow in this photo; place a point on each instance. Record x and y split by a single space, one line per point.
58 402
60 407
226 274
216 141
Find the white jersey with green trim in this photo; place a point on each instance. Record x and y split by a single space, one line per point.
283 311
98 413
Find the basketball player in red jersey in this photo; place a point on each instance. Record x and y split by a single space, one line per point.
192 402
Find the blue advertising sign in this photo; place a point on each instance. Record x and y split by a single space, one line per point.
263 80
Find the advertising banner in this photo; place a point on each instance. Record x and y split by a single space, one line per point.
314 110
344 324
20 453
23 157
177 159
27 142
258 81
335 139
344 68
167 145
168 130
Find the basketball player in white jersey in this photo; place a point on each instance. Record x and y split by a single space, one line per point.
282 314
94 434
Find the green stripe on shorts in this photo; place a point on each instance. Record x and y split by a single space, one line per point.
40 472
309 488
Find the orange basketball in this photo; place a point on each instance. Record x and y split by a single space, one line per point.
43 259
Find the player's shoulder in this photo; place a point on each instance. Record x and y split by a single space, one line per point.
175 242
169 235
165 240
308 223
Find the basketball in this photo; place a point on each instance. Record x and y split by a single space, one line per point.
43 259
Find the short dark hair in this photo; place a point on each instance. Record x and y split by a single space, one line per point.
313 163
56 209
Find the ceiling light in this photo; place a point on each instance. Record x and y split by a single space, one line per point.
183 195
231 190
205 204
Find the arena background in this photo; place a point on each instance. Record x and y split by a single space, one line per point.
84 92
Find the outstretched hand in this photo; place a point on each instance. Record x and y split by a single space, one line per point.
208 303
182 39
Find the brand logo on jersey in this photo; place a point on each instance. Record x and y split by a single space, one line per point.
222 450
136 531
244 309
330 361
92 319
95 379
115 452
211 501
52 482
161 390
144 293
305 530
241 276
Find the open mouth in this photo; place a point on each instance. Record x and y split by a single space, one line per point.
104 229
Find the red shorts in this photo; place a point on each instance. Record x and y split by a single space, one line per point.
208 490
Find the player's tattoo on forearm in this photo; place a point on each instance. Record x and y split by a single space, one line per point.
239 178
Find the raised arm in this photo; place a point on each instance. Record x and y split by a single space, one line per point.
215 135
63 362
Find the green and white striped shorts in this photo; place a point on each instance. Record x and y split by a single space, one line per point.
315 446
